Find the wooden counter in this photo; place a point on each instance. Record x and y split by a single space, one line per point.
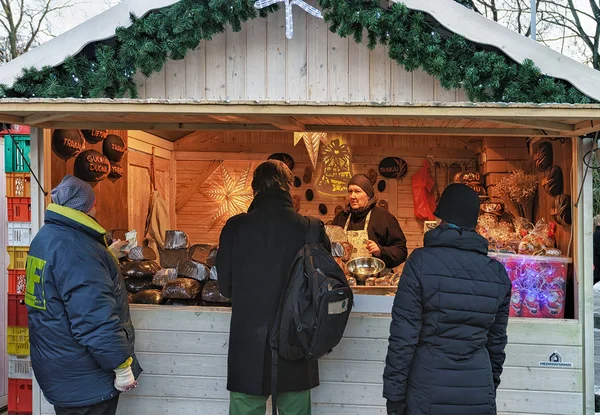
183 351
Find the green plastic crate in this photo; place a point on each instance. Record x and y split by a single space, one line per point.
13 160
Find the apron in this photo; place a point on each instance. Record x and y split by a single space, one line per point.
358 239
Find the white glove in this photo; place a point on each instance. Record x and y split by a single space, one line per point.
115 248
124 380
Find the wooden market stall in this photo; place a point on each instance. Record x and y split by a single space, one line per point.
240 97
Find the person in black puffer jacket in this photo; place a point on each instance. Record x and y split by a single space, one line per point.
448 330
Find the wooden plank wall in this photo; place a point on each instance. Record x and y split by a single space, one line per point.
259 63
562 157
242 150
182 378
111 195
140 155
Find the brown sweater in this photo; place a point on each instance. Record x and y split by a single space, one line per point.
384 230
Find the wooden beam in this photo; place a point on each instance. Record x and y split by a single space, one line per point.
284 123
151 139
189 193
586 127
190 141
542 124
109 125
42 118
502 132
104 110
10 119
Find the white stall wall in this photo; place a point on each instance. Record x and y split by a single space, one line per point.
3 282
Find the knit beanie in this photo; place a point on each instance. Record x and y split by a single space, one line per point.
364 183
74 193
459 205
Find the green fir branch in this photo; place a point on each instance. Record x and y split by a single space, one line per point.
414 40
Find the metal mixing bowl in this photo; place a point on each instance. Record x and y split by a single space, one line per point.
364 267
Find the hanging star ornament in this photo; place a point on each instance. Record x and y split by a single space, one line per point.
312 142
234 195
289 21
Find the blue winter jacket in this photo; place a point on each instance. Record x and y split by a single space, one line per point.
79 323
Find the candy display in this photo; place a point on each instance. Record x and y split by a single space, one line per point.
538 284
517 235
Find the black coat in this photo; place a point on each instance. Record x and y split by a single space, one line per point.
448 331
597 254
256 252
384 230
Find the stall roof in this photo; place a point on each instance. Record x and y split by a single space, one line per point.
449 13
455 119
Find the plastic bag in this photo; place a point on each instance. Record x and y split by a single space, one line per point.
337 249
423 195
148 297
211 293
182 288
142 253
170 258
176 240
135 285
193 269
336 233
138 269
207 254
213 274
162 277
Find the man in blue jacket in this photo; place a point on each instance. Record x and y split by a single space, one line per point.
81 335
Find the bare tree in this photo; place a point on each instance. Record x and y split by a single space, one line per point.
580 25
23 22
569 26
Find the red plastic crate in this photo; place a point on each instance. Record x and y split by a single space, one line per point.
17 310
16 281
19 209
20 393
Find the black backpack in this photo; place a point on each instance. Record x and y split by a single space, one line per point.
314 308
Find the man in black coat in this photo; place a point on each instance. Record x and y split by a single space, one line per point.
256 252
449 318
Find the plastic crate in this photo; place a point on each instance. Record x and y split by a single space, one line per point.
16 281
20 394
16 161
17 310
19 367
19 233
17 341
18 257
19 209
18 185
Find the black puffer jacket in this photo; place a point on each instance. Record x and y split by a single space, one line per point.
448 330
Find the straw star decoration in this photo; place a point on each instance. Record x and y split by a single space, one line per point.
234 195
289 20
312 141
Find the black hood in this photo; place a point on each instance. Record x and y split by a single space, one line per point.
449 236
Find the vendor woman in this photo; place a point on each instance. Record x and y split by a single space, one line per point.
372 231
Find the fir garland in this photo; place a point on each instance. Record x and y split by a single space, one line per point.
414 39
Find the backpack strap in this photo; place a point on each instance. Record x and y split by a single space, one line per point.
313 231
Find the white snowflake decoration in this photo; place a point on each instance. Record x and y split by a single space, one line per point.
289 21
